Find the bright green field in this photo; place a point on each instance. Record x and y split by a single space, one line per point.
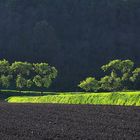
117 98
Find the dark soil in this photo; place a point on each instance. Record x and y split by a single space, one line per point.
68 122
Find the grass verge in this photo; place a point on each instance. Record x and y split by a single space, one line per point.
118 98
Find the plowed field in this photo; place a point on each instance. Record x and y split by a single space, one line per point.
68 122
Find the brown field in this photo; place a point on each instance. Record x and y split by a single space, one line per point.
68 122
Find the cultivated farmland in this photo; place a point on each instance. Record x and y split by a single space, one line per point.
68 122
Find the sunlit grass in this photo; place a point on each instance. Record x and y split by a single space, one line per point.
118 98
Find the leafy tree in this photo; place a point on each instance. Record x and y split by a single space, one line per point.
44 69
126 66
109 83
90 84
44 74
135 78
127 71
25 74
21 68
121 76
20 82
122 69
38 81
5 80
46 81
5 73
22 72
136 74
112 66
4 67
29 83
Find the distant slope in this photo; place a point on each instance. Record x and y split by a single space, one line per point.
77 36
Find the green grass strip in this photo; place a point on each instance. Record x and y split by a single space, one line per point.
118 98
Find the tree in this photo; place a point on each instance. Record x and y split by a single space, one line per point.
46 81
120 76
29 83
38 81
135 78
5 80
90 84
45 74
26 75
21 68
113 65
5 73
22 72
122 69
4 67
109 83
136 74
20 82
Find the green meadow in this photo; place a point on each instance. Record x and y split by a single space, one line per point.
108 98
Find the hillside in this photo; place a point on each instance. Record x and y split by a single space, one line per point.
76 36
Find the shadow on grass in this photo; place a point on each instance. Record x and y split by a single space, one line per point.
4 94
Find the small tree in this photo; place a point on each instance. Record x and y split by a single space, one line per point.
22 74
25 74
121 76
45 74
4 67
113 65
5 73
20 82
46 81
21 68
109 83
135 75
90 84
135 78
122 69
29 83
5 80
38 81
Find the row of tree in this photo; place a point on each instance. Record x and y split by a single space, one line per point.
26 75
121 75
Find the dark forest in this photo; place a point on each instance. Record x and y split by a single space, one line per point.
76 36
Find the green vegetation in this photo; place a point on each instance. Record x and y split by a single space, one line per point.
77 36
121 76
118 98
26 75
90 84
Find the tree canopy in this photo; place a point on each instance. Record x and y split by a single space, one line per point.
121 75
26 75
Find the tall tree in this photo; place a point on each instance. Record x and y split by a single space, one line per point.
22 72
5 73
120 76
44 74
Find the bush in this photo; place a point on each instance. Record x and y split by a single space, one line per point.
90 84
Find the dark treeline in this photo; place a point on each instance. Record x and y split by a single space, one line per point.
76 36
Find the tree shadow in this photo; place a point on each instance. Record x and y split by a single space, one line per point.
7 94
